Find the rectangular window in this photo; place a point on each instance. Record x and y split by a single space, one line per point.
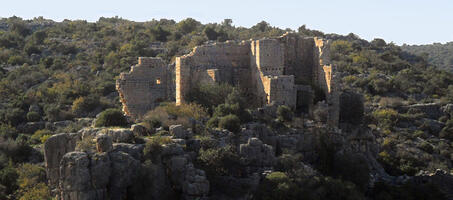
158 81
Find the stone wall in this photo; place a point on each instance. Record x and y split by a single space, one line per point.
278 70
282 91
144 87
230 60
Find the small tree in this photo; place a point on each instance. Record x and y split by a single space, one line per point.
83 105
33 116
210 32
231 123
111 117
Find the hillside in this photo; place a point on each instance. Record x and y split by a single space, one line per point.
440 55
60 114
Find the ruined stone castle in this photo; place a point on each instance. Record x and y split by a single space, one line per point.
286 70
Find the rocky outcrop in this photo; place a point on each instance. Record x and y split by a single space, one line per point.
178 132
139 130
104 143
191 182
431 110
83 177
80 175
111 171
120 135
54 149
124 168
257 154
442 179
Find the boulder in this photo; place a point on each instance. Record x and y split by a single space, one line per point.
124 171
75 176
89 132
100 171
120 135
196 184
84 121
257 154
83 177
139 130
54 149
134 150
104 143
178 132
61 124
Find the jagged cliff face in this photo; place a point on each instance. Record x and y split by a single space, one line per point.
276 70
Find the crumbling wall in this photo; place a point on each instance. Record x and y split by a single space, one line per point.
279 70
144 87
324 68
230 59
300 58
282 91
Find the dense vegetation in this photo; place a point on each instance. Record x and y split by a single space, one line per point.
438 54
50 72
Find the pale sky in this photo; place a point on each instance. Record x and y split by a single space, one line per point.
400 21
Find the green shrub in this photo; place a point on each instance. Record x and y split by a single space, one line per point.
15 116
8 131
284 113
386 117
111 117
168 114
33 116
209 95
277 186
231 123
87 144
17 151
83 105
447 131
153 147
213 122
220 161
32 183
354 168
8 178
40 136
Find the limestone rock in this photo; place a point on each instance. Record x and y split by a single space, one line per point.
139 130
83 177
120 135
134 150
104 143
178 132
257 154
54 149
89 132
124 171
100 171
321 112
75 175
169 150
196 184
